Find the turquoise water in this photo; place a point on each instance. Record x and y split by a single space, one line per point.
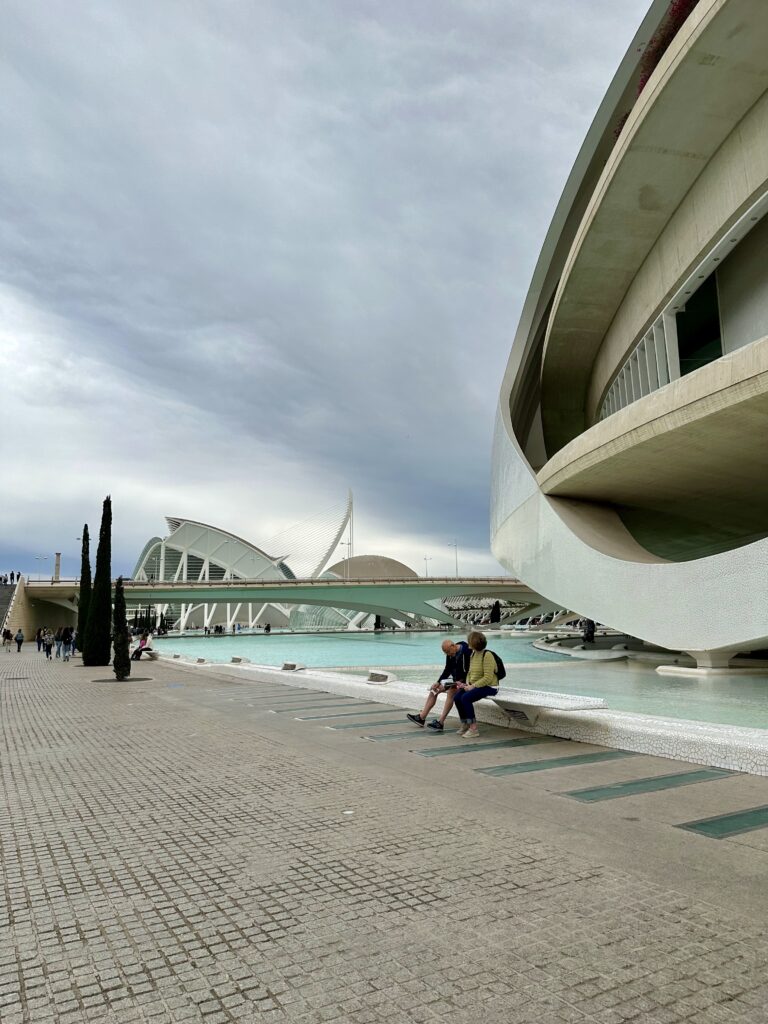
625 686
342 650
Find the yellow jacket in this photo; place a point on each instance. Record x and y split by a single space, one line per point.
482 669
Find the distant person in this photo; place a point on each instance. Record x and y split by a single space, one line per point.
588 631
268 628
67 635
39 639
12 576
457 659
7 637
48 641
495 615
482 681
145 644
19 638
59 640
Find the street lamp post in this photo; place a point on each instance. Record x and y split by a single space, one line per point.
426 566
40 558
455 546
348 545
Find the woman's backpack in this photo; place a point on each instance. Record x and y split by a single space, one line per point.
500 670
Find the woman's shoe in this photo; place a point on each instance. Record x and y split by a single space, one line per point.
472 734
462 730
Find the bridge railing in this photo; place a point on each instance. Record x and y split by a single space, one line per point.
309 581
68 581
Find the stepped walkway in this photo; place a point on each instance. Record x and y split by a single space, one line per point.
185 847
6 596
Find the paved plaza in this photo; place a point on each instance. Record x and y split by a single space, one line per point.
190 847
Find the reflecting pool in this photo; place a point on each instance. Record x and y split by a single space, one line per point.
344 650
415 657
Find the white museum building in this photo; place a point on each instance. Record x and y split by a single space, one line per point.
630 463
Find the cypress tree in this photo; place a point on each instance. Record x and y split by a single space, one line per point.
85 590
121 639
98 630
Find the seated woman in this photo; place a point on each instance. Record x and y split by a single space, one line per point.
482 681
145 644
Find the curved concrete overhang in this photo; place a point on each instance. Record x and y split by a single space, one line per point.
723 205
716 64
590 161
682 450
579 555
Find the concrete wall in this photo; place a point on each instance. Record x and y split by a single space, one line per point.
742 284
30 612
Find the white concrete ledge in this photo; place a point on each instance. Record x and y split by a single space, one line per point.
731 671
721 746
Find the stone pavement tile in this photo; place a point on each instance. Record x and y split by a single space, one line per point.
157 876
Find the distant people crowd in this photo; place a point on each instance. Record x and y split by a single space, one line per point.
9 577
63 641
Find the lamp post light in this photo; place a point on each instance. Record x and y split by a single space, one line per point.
455 546
426 566
348 545
40 558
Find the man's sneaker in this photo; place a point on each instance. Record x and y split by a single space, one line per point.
472 734
434 724
462 730
416 719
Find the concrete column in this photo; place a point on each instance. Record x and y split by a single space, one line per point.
712 659
57 566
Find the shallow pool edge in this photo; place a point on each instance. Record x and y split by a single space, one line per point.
720 746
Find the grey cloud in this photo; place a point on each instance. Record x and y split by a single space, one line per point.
298 234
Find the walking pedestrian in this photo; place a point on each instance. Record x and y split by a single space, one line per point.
66 641
19 638
48 641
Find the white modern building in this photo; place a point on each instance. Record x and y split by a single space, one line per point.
199 553
629 479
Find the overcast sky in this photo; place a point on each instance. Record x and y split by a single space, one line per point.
256 252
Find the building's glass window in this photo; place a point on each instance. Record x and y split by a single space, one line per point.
194 567
698 328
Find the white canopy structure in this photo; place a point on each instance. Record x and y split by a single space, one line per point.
197 552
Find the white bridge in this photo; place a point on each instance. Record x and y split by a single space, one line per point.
400 598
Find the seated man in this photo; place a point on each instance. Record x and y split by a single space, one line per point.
457 657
